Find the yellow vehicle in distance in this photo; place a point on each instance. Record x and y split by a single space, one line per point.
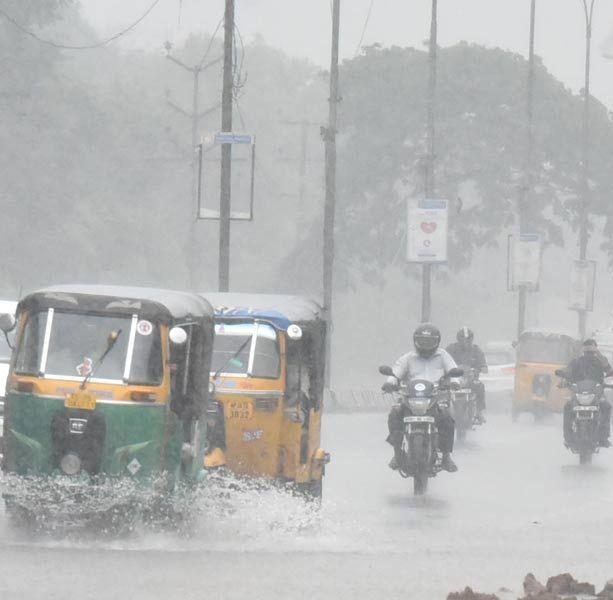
539 354
268 372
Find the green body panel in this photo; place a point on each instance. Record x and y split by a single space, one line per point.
148 432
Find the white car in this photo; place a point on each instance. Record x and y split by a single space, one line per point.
500 378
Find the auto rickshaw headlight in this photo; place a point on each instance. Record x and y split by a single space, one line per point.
585 399
70 464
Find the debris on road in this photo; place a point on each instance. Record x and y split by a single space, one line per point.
559 587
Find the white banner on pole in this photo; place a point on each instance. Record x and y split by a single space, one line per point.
427 231
524 261
582 283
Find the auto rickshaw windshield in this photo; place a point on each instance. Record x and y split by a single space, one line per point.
68 345
543 349
246 349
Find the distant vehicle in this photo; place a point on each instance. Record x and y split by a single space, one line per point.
500 357
8 307
539 354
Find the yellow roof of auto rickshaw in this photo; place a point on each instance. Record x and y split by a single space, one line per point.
160 304
545 333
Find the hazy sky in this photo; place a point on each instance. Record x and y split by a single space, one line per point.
302 27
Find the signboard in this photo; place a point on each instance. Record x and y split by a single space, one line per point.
427 231
243 175
230 137
582 283
524 262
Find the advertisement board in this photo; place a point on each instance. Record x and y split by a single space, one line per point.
524 261
582 283
427 231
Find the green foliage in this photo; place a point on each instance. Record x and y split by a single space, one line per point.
481 138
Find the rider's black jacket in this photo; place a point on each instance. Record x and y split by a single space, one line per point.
471 356
594 367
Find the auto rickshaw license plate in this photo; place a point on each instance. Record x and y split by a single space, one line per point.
240 409
81 400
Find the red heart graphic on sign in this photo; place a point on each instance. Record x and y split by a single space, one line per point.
428 227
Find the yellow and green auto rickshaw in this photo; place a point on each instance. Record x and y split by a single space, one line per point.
107 393
268 368
539 354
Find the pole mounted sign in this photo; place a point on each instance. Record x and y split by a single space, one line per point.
427 231
582 283
524 262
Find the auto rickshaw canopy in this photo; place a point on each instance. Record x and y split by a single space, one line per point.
281 311
166 306
542 346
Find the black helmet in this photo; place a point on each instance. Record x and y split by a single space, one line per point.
426 338
465 335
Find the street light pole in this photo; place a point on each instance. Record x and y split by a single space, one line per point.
528 170
329 135
430 183
588 8
226 150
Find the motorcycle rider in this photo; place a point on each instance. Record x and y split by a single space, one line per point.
466 352
592 365
429 362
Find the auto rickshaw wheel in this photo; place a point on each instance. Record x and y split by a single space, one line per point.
311 490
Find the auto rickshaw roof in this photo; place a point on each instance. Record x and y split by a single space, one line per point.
167 305
278 309
544 333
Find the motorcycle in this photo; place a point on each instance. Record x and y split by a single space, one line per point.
421 401
463 400
585 403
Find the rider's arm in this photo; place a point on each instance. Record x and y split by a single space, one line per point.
400 368
480 362
448 362
606 366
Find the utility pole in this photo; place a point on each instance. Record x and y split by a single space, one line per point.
195 116
225 200
588 7
329 136
528 169
430 183
303 158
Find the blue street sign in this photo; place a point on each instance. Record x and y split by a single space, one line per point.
230 137
433 204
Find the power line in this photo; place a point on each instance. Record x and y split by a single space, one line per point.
40 40
357 50
213 36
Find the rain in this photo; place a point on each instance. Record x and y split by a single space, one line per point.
306 299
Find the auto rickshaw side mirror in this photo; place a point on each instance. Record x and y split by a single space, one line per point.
560 373
178 336
7 322
385 370
514 343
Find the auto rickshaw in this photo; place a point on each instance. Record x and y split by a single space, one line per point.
267 369
539 354
107 392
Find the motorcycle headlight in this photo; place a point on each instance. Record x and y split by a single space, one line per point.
585 399
419 406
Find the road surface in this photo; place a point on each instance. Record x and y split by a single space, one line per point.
519 503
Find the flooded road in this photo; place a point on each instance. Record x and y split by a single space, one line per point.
519 503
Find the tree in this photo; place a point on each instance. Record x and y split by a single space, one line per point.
480 146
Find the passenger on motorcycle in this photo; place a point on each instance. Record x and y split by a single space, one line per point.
466 352
590 366
428 362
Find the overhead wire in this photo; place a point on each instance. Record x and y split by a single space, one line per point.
366 22
61 46
212 40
